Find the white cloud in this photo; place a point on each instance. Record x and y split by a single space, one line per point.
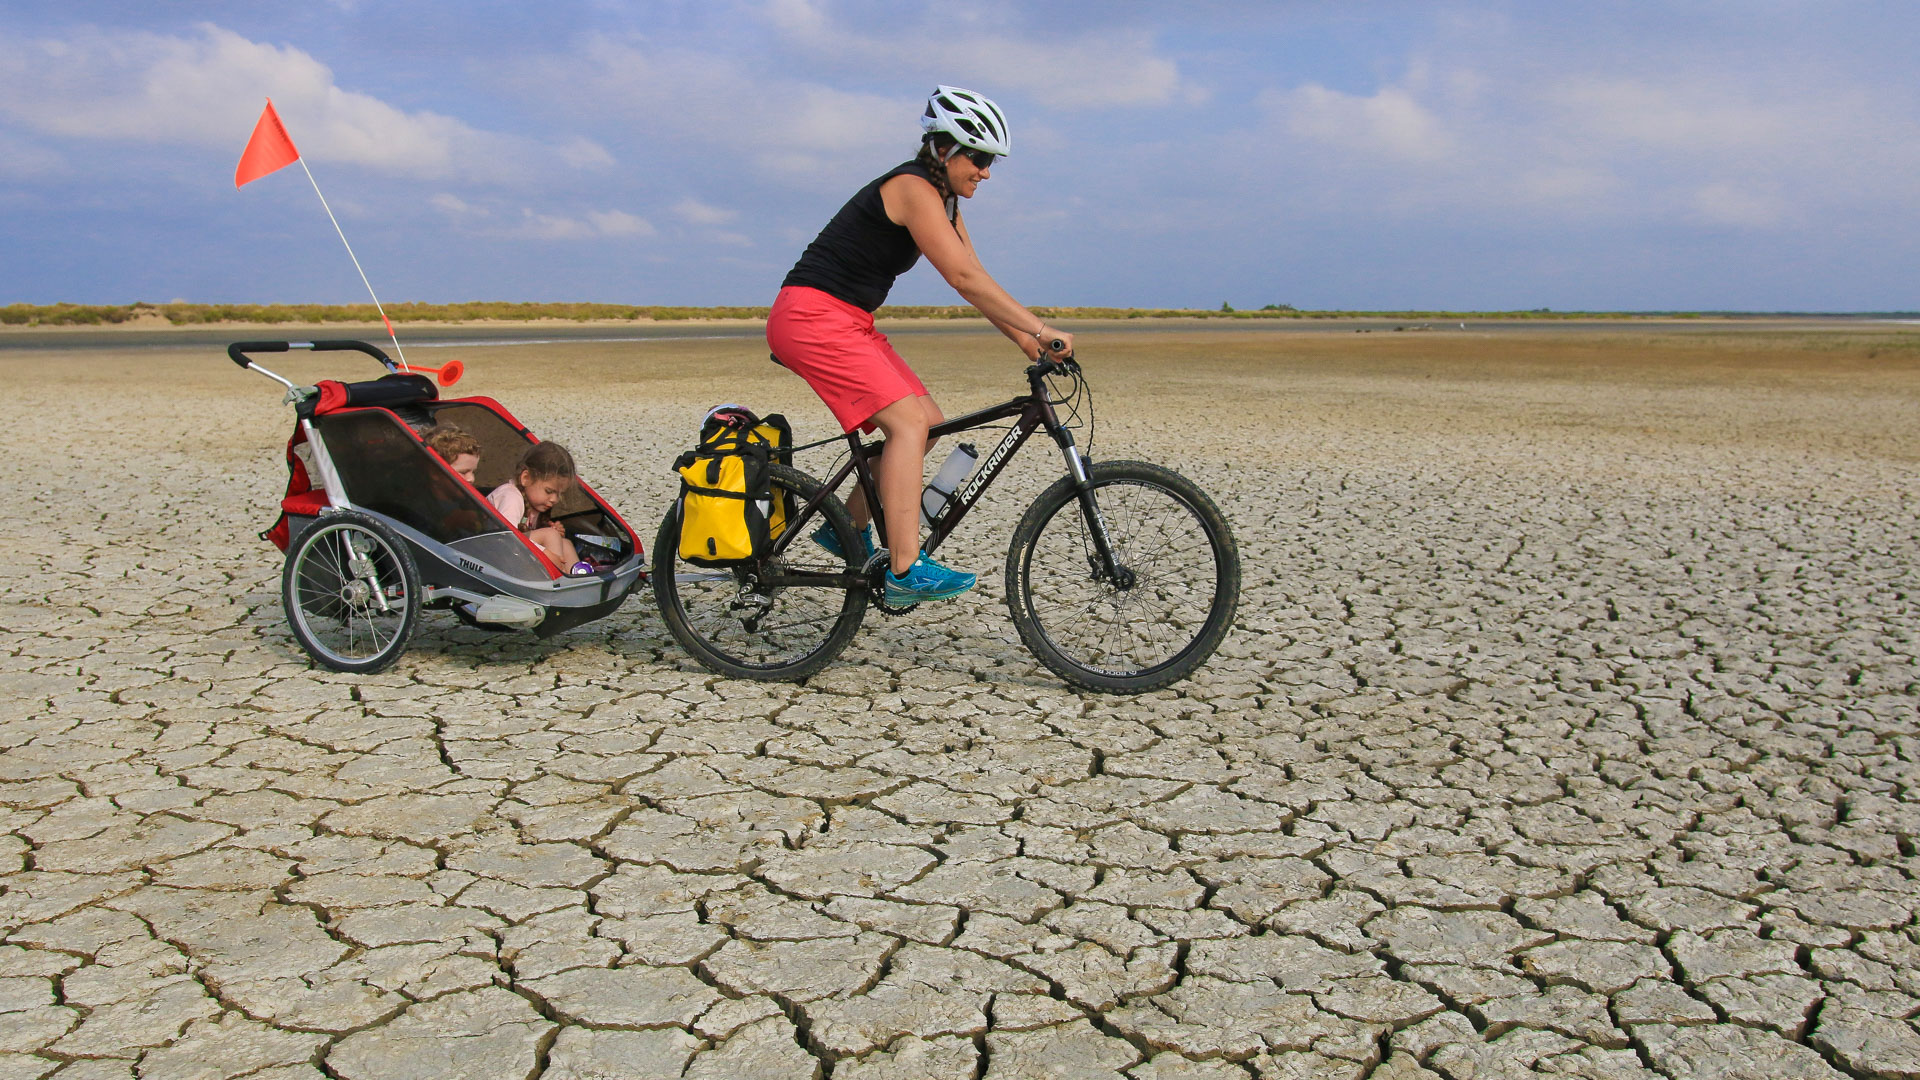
1390 122
735 107
1744 150
819 118
1502 140
1565 184
619 223
593 225
799 17
727 101
208 90
1102 68
21 160
1730 204
700 213
541 225
552 226
583 153
455 206
807 124
1686 116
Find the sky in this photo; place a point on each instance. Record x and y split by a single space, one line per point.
1755 155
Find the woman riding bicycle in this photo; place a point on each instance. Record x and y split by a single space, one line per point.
821 326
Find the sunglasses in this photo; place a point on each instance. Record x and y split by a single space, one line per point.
982 159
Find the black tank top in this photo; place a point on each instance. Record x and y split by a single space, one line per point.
861 251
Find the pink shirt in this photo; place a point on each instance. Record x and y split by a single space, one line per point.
513 506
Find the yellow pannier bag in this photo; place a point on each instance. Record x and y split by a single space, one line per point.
728 514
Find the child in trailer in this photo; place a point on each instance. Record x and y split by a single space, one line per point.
542 475
458 449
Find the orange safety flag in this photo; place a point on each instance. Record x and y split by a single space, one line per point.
268 150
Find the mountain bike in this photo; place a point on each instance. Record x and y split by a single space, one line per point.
1122 576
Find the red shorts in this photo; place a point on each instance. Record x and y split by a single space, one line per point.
832 344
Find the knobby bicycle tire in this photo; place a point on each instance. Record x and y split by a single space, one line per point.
798 630
1166 622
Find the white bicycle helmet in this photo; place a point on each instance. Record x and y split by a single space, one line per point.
974 121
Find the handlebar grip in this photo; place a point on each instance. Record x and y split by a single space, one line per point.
1056 345
356 346
237 352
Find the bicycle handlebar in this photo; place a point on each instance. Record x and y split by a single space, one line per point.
237 352
1048 364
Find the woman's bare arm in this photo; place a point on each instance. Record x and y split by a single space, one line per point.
914 203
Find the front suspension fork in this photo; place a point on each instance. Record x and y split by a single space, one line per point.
1105 565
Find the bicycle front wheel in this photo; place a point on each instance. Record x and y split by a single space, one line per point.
735 624
1160 616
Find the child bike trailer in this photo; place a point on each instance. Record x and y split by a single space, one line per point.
375 526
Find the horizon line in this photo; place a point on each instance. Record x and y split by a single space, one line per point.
189 313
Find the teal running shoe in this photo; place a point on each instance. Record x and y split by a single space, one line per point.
926 580
825 537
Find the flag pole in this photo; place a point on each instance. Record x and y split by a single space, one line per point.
356 261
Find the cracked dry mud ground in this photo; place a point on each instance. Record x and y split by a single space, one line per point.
1568 729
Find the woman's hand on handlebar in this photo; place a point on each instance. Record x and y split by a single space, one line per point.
1055 343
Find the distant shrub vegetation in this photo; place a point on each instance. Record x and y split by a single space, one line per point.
197 314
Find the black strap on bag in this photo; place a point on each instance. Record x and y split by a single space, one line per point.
774 428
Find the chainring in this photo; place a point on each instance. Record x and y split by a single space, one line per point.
876 571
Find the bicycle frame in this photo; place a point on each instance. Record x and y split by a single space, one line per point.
1030 412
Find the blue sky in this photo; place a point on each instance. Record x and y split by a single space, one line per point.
1756 155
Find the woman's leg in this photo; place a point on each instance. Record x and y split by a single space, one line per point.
857 502
934 416
901 465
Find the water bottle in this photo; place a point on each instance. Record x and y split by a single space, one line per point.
953 472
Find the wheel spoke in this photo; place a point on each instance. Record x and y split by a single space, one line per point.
735 624
1097 626
765 629
336 615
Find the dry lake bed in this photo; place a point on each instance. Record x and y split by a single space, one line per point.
1569 727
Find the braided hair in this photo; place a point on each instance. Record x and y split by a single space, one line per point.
934 150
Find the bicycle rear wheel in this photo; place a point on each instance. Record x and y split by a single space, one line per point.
736 625
1172 604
